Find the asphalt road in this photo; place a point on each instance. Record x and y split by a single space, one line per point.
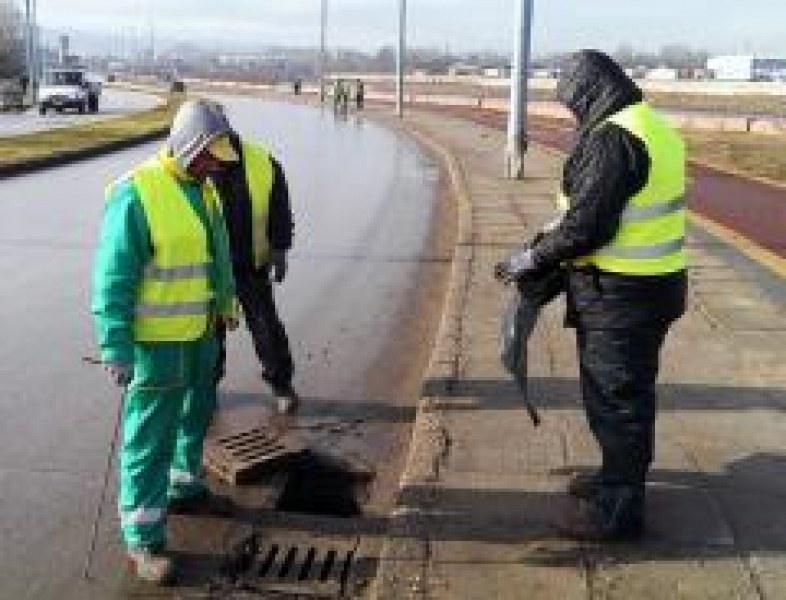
113 103
364 272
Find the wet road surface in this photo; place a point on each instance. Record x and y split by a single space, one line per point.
113 103
364 273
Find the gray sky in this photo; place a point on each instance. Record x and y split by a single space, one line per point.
720 25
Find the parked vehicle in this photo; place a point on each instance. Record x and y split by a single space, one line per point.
68 87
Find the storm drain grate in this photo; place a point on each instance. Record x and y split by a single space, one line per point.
243 456
309 568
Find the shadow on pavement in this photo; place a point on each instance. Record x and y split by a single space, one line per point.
498 394
363 410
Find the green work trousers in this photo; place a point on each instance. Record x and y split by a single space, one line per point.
168 407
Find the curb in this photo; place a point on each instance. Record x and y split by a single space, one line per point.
742 244
33 165
429 441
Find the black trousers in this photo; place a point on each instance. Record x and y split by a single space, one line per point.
255 293
618 369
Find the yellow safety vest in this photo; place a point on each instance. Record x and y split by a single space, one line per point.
174 298
651 235
259 177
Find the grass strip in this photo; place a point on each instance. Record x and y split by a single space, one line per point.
748 153
95 134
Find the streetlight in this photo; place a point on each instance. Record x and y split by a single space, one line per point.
401 56
322 57
28 43
31 49
517 122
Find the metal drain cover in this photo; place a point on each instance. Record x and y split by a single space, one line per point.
307 567
243 456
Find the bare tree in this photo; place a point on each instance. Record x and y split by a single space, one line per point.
12 42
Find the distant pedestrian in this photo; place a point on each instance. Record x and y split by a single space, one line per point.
297 86
360 94
340 96
622 236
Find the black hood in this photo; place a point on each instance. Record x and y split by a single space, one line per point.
595 87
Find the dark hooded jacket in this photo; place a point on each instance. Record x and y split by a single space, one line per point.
233 188
606 167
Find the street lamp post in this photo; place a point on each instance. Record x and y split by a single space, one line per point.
401 56
517 122
322 56
35 51
28 43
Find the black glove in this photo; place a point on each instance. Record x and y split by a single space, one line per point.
120 373
515 267
278 265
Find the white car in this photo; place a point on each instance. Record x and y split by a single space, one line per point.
68 88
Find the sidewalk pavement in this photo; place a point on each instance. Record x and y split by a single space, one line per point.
482 487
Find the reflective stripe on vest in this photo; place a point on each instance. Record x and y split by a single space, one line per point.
259 176
141 516
174 299
650 239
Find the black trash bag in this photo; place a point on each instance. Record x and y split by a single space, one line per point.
518 322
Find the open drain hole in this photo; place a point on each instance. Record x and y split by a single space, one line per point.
323 485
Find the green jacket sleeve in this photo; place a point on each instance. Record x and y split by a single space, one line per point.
124 248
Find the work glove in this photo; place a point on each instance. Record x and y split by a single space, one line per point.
119 373
230 322
551 225
278 265
515 267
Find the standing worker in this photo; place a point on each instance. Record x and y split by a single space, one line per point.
256 208
162 280
340 96
622 236
360 94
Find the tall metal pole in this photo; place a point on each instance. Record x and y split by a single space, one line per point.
401 56
322 50
517 122
28 44
35 51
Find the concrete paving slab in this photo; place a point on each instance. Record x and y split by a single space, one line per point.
670 578
505 582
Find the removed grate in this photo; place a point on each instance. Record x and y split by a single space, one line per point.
243 456
311 568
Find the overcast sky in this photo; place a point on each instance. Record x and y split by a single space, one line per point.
720 25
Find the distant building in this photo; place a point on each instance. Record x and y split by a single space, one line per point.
544 74
748 68
662 74
464 70
497 72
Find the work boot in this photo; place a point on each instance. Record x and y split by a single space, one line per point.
206 504
584 485
151 566
608 517
287 401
